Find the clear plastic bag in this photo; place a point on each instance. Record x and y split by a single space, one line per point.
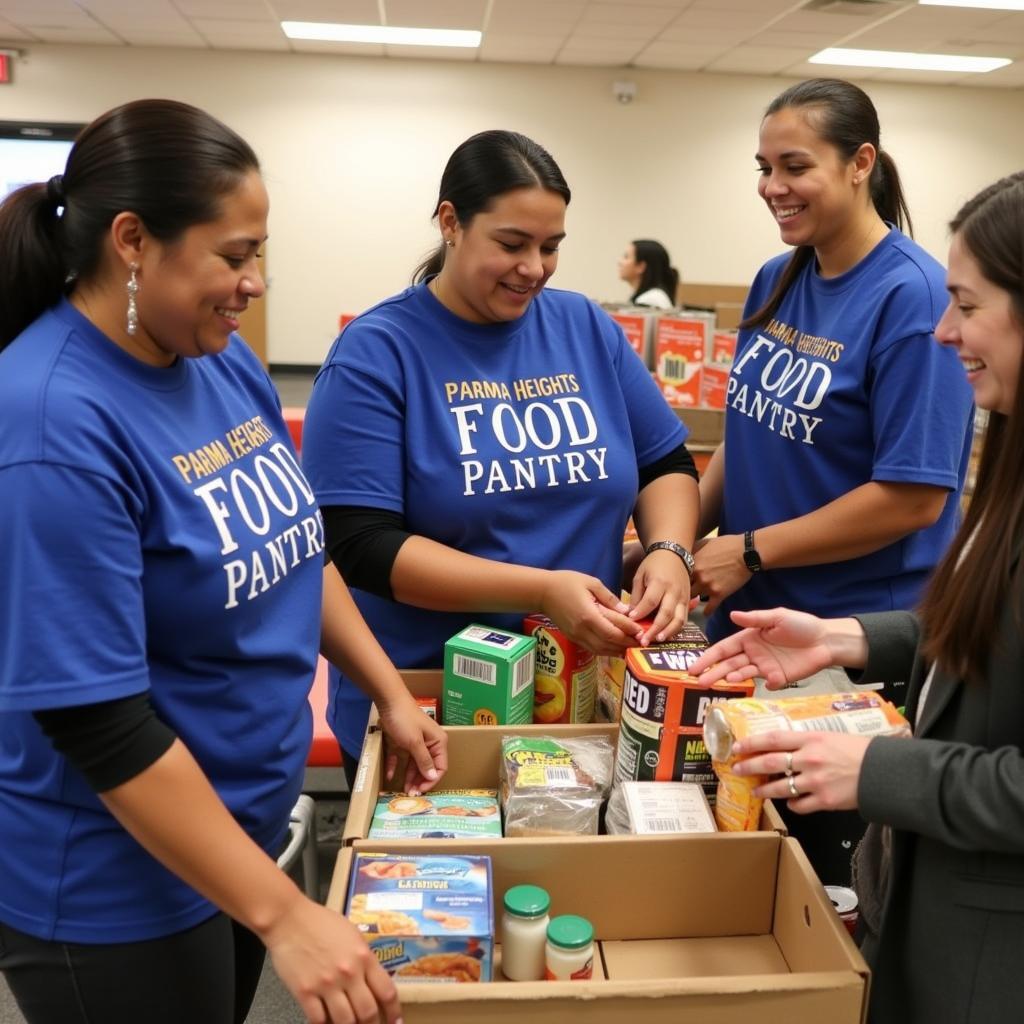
554 787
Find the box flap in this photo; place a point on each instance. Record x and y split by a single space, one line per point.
363 798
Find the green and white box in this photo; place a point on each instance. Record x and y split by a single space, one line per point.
488 677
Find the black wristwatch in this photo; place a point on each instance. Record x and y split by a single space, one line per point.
751 559
671 545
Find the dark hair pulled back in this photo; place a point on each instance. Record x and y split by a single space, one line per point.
658 269
481 169
845 117
963 607
168 162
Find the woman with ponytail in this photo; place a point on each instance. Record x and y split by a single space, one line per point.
848 429
154 723
940 874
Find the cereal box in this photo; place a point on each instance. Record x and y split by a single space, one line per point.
426 918
679 348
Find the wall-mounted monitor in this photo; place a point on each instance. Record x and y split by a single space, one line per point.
33 151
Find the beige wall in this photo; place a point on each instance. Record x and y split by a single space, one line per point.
353 150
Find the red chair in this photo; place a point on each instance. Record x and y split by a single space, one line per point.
324 751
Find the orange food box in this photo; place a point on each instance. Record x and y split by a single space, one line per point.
565 679
637 328
714 385
679 347
723 347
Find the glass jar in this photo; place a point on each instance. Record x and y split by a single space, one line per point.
569 952
524 927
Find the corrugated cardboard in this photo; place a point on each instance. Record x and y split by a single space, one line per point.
722 929
474 759
725 300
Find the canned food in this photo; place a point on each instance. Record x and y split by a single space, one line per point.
844 901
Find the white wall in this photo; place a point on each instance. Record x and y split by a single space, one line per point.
353 150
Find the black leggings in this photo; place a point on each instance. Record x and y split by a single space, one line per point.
206 975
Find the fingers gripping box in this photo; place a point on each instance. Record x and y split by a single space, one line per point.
426 918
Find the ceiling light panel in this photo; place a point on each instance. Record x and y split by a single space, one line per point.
906 60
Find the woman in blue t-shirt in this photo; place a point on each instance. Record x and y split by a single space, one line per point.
847 428
160 601
479 441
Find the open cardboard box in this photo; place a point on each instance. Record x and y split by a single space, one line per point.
474 761
719 929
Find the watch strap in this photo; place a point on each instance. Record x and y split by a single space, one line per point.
751 557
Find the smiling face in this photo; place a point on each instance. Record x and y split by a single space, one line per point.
809 188
193 290
502 259
980 323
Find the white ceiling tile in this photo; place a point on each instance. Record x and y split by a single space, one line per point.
675 57
1008 77
693 36
11 33
835 26
748 21
770 8
624 14
78 35
1009 29
604 30
520 14
919 77
19 10
257 31
187 40
345 12
580 59
758 60
240 10
463 53
511 53
450 14
811 41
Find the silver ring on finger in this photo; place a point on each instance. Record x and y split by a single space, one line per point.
793 791
789 764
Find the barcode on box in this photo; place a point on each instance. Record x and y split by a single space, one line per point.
661 825
560 776
523 674
474 668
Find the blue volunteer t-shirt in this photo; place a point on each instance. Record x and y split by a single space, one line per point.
517 442
845 385
159 536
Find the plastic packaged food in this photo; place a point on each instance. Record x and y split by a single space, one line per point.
554 787
524 930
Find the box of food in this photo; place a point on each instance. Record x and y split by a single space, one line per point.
723 347
680 343
714 385
488 677
439 814
713 928
427 918
639 330
565 678
658 808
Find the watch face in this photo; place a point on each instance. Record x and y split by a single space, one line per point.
752 560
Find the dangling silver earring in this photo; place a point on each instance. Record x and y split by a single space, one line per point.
133 310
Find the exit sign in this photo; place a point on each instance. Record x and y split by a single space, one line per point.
5 69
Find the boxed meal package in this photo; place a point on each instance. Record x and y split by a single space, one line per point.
427 918
565 678
711 928
680 344
554 787
439 814
488 677
658 808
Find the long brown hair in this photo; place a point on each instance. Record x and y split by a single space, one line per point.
846 119
965 599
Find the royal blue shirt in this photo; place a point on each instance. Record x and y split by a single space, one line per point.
845 385
518 442
158 537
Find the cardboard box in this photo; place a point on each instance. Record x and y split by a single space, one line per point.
680 343
488 677
720 929
725 300
639 330
723 347
474 759
706 427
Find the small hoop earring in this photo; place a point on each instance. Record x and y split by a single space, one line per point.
133 311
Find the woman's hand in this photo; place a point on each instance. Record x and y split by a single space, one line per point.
822 769
720 569
407 727
781 645
662 585
588 612
327 966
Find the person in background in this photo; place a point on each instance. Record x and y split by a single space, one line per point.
941 869
479 441
162 600
837 486
645 266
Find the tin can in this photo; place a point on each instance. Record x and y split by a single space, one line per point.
663 712
844 901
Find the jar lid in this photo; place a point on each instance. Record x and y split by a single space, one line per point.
570 932
527 901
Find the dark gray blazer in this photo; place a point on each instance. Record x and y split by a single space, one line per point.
951 943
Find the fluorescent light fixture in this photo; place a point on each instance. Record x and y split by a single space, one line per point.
908 61
380 34
989 5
